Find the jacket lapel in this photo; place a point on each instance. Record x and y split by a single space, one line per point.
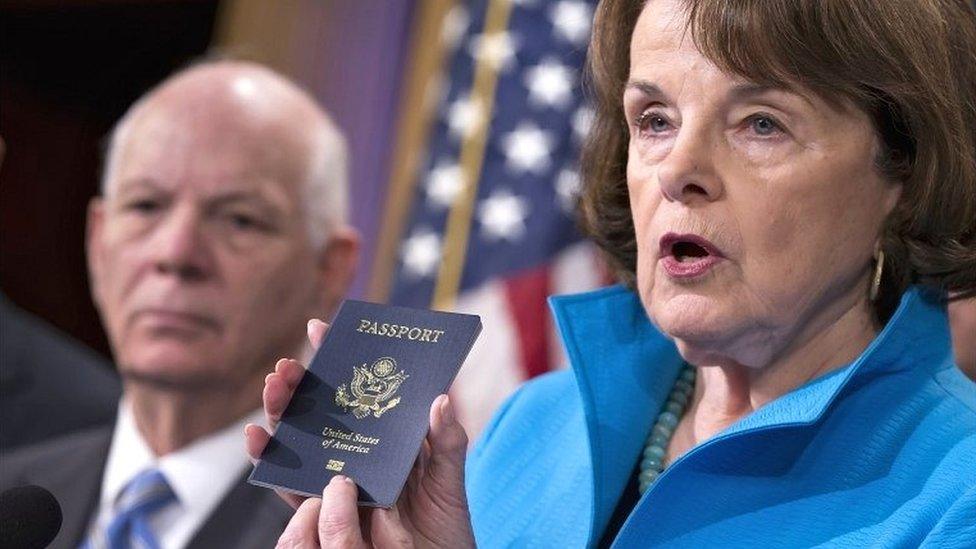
247 517
624 369
75 480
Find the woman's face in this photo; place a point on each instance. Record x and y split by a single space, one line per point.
757 210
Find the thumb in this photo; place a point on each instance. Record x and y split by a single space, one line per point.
448 446
316 332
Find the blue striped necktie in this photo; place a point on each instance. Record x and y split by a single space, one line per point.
147 493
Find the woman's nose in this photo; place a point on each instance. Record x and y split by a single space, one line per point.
687 173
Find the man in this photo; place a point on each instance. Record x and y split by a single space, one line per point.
219 232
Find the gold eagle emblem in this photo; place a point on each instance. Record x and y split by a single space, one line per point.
372 388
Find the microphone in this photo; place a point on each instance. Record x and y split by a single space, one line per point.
30 516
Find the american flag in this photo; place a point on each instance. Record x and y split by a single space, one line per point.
510 122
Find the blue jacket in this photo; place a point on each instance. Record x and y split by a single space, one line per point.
881 452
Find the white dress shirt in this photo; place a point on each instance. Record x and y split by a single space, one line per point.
200 474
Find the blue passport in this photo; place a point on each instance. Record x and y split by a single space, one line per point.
362 408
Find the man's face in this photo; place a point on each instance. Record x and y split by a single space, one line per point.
200 259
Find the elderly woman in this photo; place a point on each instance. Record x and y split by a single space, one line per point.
788 189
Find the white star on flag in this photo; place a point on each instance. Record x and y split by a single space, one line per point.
527 148
550 83
497 49
567 188
465 116
502 216
571 20
444 184
421 253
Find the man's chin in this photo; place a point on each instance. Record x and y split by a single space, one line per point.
171 371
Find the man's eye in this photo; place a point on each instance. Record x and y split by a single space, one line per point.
243 221
763 124
144 205
247 222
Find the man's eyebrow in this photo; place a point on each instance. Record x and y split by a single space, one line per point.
138 184
237 196
245 197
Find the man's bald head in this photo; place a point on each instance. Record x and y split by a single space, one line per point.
247 106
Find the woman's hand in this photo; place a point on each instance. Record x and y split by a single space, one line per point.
432 510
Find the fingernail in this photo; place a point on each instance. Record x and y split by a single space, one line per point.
446 412
310 324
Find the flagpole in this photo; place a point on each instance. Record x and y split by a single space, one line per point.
426 63
472 157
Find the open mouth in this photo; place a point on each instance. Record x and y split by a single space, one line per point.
685 251
688 255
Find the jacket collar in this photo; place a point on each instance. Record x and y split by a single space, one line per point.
625 369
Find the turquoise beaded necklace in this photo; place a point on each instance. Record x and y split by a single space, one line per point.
656 447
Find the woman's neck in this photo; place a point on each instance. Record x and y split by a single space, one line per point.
726 393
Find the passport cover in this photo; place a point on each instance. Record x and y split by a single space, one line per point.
362 408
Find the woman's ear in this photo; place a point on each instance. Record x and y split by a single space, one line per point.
892 194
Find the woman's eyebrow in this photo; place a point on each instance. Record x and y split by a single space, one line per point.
645 87
749 90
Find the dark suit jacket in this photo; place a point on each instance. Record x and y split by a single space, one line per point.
50 384
71 468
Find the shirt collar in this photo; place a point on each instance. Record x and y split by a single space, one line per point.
200 474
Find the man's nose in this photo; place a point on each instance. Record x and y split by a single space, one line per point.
180 246
687 173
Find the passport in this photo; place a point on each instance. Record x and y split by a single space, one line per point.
362 408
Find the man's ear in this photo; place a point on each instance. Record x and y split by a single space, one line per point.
337 267
93 243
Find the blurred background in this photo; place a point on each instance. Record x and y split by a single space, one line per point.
430 97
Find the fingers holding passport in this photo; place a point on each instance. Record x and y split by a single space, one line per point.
432 511
278 388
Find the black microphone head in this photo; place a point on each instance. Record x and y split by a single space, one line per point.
30 517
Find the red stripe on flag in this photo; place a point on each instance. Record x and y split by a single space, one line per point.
526 293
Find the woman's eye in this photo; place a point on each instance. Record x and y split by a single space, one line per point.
764 125
651 121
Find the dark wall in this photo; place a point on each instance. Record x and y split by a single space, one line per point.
68 70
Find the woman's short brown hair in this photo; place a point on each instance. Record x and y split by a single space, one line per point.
909 64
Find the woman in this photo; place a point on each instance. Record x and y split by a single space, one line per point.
788 190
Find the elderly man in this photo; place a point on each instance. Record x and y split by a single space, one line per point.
219 232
